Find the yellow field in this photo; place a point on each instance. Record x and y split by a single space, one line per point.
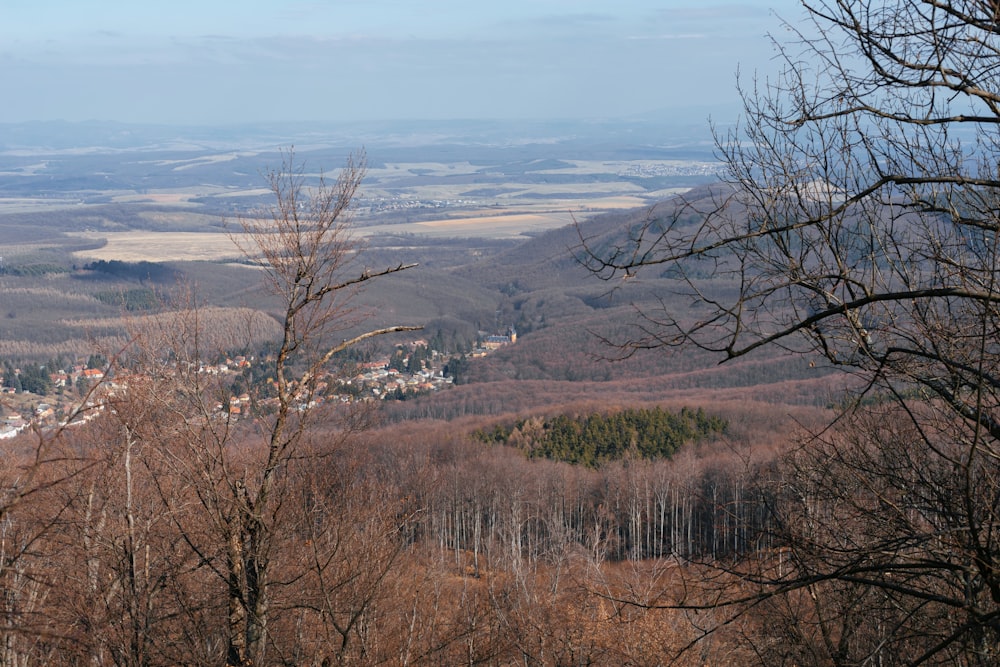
488 226
136 246
517 210
161 246
192 246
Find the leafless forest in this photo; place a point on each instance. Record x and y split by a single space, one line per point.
828 312
153 528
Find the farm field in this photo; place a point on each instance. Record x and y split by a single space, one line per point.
85 225
145 246
172 246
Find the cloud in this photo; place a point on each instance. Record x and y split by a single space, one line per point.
669 37
569 20
716 12
532 62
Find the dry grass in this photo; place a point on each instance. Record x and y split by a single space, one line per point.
155 246
160 246
494 226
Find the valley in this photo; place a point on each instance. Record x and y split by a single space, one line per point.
494 229
511 428
569 334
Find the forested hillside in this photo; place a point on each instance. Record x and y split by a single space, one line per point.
594 439
756 422
237 510
224 491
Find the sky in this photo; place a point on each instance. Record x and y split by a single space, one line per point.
229 62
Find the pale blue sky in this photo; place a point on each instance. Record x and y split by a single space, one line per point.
215 61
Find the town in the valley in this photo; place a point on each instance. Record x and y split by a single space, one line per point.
38 397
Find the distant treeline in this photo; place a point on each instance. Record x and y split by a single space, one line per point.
137 299
151 271
32 270
594 439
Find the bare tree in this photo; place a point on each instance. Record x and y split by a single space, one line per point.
238 477
859 223
306 252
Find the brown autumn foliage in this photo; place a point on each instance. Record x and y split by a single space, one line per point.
167 532
400 546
